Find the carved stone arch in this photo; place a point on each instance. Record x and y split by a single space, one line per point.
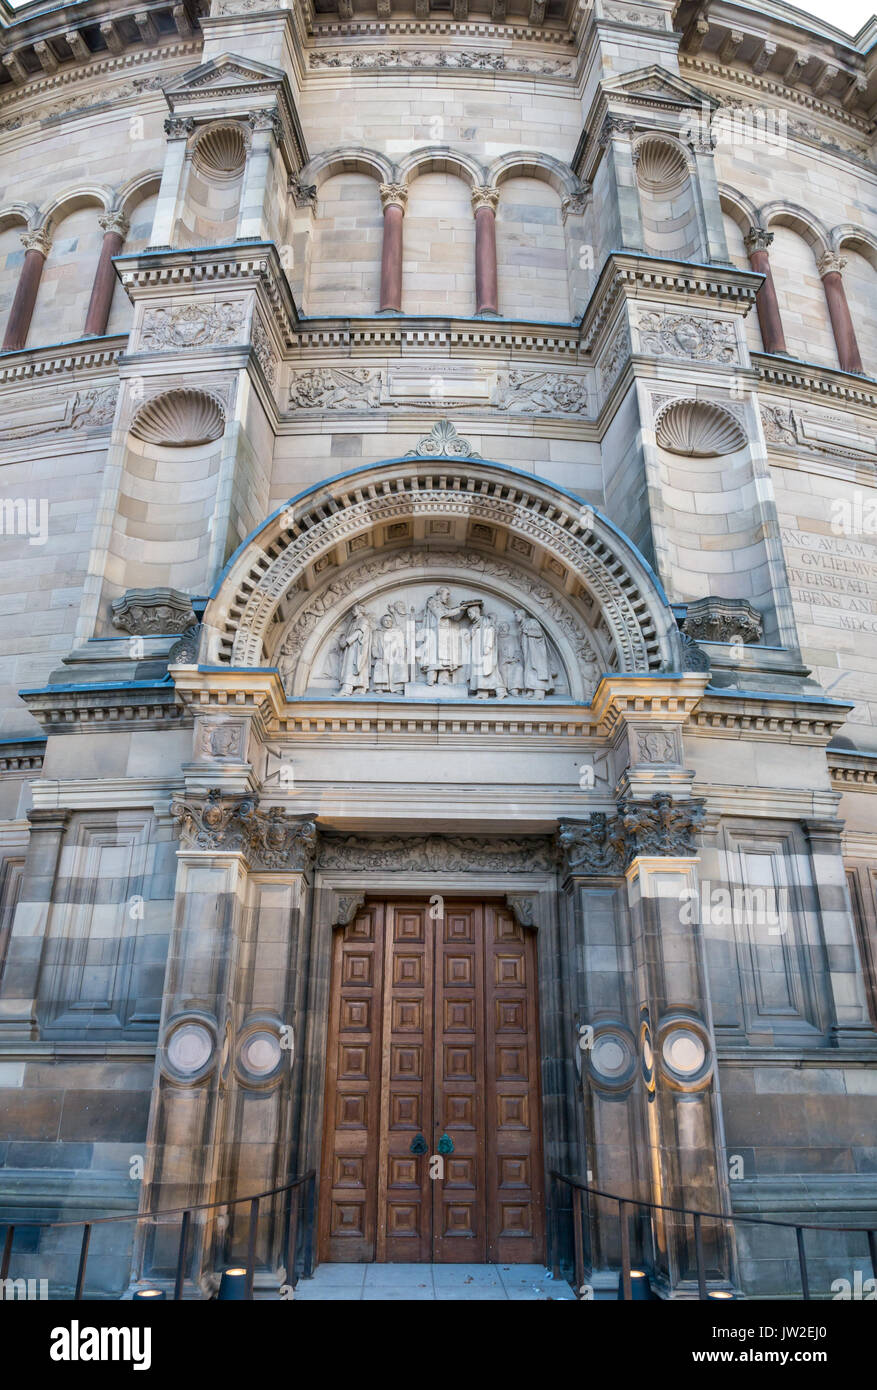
346 161
136 191
71 200
316 614
441 159
23 214
738 207
800 220
532 164
857 239
546 529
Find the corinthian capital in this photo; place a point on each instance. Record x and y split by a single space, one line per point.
757 239
483 196
115 222
831 261
393 195
38 240
178 127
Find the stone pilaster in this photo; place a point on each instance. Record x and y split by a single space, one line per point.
19 985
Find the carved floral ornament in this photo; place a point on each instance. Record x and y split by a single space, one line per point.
267 839
541 533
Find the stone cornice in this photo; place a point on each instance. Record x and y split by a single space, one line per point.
626 275
150 274
86 355
812 379
124 705
671 699
760 717
772 87
339 30
101 66
850 770
346 337
21 757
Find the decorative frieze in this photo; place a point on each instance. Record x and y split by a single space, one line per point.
191 325
427 59
699 339
91 409
437 853
553 393
264 351
333 388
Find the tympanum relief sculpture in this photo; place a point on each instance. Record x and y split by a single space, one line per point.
428 643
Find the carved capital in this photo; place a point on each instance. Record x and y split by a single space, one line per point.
830 262
594 846
38 240
483 196
235 825
266 120
662 826
393 195
115 222
615 125
757 239
178 127
304 194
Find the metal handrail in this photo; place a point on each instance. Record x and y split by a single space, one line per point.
254 1199
636 1203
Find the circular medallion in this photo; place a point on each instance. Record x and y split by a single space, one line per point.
189 1048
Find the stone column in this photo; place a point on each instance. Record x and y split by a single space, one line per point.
830 267
178 129
18 987
252 220
615 136
484 205
716 248
115 226
37 246
757 240
394 199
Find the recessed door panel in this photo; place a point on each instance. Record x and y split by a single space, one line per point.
433 1032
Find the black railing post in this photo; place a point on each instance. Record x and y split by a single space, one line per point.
802 1261
625 1251
251 1245
292 1236
310 1204
83 1256
872 1248
181 1256
698 1255
7 1251
577 1236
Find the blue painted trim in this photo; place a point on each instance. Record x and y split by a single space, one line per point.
164 684
530 478
775 695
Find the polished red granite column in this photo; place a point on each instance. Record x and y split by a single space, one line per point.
757 241
848 355
115 226
394 197
484 204
37 246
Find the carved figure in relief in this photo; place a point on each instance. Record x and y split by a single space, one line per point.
538 676
511 659
388 649
356 653
441 650
485 676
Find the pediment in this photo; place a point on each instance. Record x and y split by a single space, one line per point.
655 84
222 74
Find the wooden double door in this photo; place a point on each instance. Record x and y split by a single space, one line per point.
433 1055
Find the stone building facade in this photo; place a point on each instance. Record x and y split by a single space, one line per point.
440 626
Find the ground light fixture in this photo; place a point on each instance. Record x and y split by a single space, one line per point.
640 1289
233 1286
719 1293
148 1293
